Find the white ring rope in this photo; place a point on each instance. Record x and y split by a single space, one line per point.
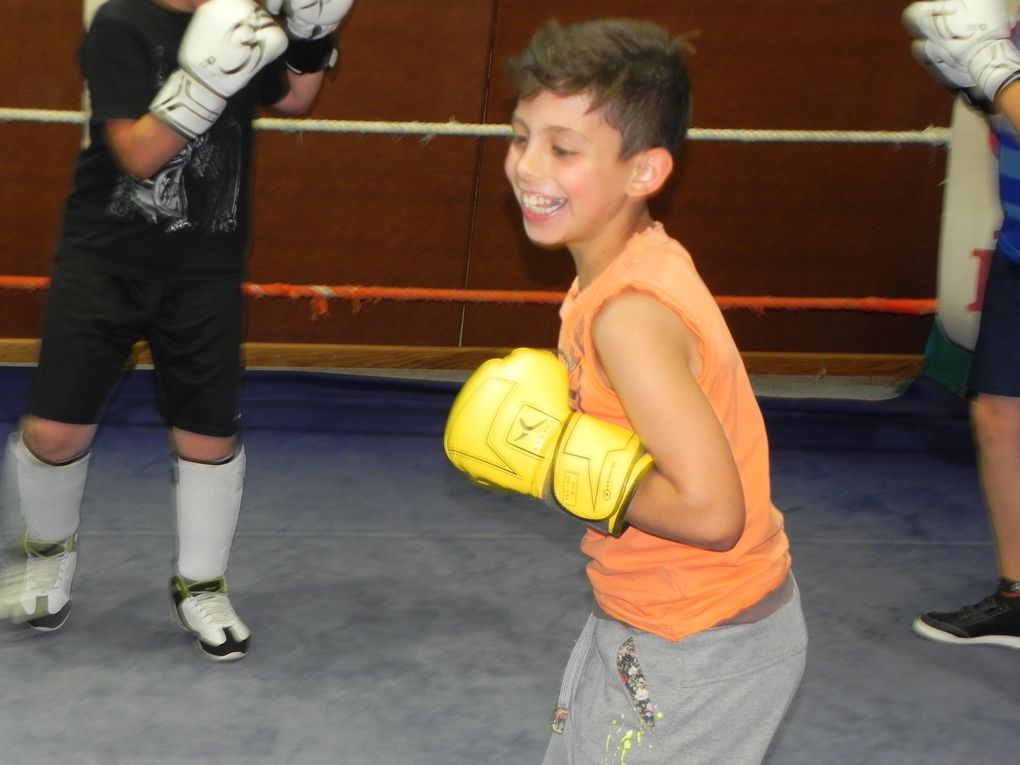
934 136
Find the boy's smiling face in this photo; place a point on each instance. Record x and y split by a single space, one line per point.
564 165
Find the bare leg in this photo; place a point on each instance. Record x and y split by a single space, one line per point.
195 447
56 442
996 421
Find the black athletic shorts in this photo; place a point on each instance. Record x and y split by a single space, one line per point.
92 321
995 365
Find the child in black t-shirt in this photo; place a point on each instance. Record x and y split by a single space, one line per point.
153 248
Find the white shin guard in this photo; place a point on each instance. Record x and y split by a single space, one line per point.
47 497
208 503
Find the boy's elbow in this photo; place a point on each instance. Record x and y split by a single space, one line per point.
725 528
140 170
291 107
701 516
138 164
721 542
141 161
725 542
304 89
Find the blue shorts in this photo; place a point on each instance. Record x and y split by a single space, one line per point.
995 366
93 319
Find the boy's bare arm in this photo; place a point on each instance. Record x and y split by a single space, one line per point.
303 90
1008 103
215 61
651 359
144 145
312 28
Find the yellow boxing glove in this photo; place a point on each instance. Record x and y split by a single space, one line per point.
511 427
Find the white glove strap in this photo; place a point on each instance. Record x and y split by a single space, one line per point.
302 30
994 65
186 105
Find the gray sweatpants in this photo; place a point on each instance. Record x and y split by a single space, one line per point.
714 698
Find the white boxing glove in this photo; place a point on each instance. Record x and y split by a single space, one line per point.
227 42
310 19
945 70
972 34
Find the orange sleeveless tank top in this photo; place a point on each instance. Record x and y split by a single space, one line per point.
658 585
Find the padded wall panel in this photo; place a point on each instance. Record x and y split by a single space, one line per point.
765 218
760 218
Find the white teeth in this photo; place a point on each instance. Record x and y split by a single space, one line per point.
540 204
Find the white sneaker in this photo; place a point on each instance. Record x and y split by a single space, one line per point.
37 589
204 610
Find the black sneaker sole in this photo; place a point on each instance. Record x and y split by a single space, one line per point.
50 622
207 651
925 630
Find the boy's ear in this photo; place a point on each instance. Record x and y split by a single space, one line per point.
652 167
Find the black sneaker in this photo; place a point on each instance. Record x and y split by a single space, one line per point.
993 621
204 610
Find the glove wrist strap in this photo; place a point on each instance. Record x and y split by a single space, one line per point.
994 65
186 105
308 56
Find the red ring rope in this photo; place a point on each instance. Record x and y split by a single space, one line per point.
320 295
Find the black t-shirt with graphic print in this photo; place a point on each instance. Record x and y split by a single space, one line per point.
189 223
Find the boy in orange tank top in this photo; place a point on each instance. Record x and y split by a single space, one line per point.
646 427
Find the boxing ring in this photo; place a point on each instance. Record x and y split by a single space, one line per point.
403 616
320 295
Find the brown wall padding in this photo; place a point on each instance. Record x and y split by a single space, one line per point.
760 218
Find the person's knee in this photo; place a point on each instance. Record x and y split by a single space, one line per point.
56 442
199 448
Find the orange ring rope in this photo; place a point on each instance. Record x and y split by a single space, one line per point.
908 306
358 294
320 295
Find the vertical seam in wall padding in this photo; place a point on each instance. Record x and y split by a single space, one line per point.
479 153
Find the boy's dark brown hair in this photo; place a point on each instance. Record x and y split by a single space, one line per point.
633 70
